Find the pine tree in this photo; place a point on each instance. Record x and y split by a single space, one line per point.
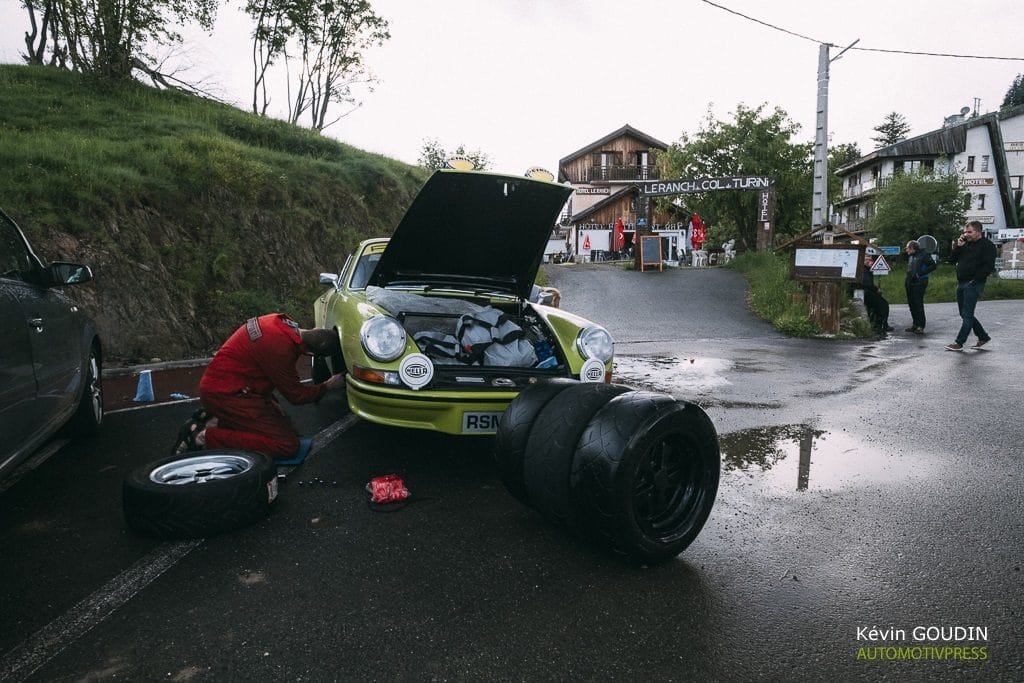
1015 95
892 130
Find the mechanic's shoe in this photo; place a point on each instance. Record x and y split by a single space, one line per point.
911 329
954 347
918 330
982 342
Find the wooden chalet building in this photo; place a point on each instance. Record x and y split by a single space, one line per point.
604 175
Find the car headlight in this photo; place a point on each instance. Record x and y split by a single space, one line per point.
595 342
383 338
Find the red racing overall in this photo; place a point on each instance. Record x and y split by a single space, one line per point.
238 387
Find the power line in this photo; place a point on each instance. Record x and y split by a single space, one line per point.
862 49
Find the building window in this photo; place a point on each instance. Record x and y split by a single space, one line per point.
970 164
967 201
981 201
984 162
1017 182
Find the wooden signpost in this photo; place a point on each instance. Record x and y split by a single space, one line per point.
826 267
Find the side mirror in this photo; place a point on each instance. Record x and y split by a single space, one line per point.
329 279
63 273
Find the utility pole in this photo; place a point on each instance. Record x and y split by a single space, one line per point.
819 203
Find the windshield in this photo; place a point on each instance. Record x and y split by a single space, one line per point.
363 270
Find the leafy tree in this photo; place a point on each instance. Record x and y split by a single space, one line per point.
755 142
915 204
328 38
1015 95
838 156
108 38
433 156
893 129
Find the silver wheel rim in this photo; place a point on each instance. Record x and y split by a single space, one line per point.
200 468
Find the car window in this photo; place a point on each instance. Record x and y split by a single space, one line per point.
363 271
15 262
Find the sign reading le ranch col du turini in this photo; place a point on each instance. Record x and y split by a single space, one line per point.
662 187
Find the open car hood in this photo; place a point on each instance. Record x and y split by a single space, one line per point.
473 230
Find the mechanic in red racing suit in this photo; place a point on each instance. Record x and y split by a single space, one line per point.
239 408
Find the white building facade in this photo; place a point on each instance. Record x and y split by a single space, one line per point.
987 150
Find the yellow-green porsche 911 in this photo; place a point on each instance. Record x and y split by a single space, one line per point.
436 323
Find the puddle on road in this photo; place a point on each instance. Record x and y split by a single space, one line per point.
690 374
801 457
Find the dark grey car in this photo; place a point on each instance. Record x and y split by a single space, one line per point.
50 352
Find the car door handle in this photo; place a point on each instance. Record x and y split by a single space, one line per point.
36 323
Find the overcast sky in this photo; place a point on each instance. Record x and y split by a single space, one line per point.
530 81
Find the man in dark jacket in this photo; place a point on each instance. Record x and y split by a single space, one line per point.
919 264
975 259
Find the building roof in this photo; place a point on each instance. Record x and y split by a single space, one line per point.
607 201
625 130
947 140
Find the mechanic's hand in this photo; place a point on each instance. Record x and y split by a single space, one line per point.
335 381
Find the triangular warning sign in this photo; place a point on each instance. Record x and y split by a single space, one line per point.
880 267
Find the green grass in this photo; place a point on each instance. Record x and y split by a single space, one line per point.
782 302
226 213
942 286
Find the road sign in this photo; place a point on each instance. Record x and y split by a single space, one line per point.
890 251
880 267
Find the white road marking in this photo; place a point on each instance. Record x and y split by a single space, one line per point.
52 639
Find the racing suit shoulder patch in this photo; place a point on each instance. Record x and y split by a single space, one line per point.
252 326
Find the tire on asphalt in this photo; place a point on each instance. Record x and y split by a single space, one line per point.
203 493
645 475
88 416
514 430
552 444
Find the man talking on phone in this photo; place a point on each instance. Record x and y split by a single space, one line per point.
975 259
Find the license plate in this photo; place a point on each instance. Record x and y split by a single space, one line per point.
480 422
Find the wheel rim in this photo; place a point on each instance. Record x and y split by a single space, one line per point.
669 487
95 389
200 468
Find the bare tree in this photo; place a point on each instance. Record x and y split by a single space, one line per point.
331 39
270 36
107 37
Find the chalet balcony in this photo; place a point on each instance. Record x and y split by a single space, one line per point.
621 174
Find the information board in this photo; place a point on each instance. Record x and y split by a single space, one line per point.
650 251
826 262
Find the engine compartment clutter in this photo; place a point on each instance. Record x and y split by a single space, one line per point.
454 331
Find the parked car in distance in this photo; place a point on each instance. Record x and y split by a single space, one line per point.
51 360
436 324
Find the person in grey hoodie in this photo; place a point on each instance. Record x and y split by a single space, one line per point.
919 264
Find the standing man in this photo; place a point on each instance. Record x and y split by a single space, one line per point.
975 259
237 388
919 265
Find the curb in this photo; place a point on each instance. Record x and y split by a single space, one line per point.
133 370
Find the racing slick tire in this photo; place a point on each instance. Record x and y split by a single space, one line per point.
552 443
202 493
514 430
645 475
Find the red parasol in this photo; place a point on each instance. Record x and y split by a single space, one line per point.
700 232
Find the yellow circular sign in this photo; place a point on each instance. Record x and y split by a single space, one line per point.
461 163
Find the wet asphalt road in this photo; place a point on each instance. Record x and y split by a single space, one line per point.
864 485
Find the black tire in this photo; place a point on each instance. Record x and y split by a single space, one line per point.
646 475
552 444
514 430
89 415
200 494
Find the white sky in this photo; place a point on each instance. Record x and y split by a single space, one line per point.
531 81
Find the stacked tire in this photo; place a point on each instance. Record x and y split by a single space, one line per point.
636 471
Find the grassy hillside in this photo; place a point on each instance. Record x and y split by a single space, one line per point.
193 215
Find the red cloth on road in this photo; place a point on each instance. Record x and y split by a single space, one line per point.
237 387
